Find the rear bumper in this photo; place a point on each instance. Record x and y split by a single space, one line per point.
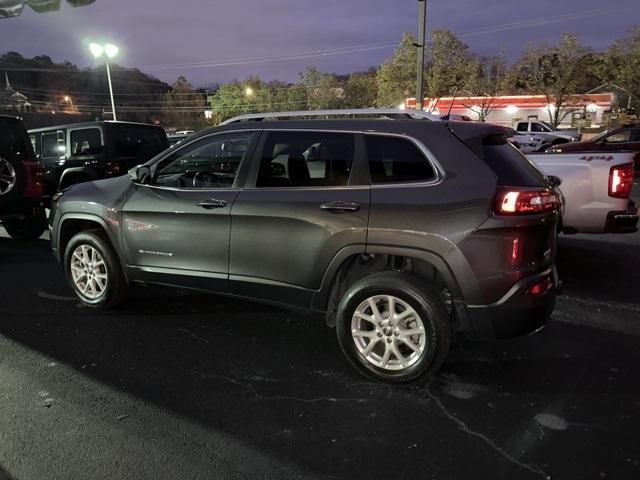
623 221
517 313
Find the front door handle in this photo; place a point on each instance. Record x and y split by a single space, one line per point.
212 203
340 207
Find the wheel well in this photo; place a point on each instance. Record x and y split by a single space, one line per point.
356 267
73 226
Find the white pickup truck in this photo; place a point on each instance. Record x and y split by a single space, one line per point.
596 189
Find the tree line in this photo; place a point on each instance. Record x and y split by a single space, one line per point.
557 70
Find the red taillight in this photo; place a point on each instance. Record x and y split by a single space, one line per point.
112 169
35 176
540 287
620 181
524 201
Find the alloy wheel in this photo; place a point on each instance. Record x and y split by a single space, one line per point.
89 272
388 332
7 177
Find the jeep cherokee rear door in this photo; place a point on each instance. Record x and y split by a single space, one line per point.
299 208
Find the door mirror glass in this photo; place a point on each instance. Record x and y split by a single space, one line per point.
140 174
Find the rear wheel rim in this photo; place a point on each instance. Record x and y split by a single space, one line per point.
7 177
388 333
89 272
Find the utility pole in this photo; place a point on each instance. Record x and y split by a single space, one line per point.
422 27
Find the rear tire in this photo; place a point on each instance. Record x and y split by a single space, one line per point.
25 229
13 180
418 328
93 270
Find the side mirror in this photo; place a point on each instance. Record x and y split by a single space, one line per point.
554 181
140 174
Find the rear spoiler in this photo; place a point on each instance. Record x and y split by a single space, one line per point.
474 135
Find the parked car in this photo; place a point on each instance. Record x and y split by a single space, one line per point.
21 197
541 128
596 188
530 142
401 231
456 117
81 152
626 138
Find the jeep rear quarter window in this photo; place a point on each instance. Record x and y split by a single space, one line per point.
138 141
396 160
511 167
87 141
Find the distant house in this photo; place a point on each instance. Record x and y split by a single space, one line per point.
621 97
11 99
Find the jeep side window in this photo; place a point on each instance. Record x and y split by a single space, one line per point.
537 127
306 159
210 163
523 127
51 148
86 141
396 160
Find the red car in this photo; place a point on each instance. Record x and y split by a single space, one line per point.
625 138
22 201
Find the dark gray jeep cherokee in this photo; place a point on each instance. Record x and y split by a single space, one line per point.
403 231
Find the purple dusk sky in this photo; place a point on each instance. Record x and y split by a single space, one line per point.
219 40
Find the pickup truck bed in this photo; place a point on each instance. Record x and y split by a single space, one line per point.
589 208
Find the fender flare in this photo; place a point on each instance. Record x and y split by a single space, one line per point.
89 217
321 297
89 172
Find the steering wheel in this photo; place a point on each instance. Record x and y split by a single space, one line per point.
207 181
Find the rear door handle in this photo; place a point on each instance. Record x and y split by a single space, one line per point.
212 203
340 207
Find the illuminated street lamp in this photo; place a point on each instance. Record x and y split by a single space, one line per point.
592 108
110 51
248 91
511 109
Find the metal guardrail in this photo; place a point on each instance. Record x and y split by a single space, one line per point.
389 113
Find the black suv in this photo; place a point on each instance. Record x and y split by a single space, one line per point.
402 231
21 197
82 152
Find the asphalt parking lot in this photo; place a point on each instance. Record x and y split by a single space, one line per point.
177 385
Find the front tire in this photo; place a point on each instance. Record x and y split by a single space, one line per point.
392 328
93 270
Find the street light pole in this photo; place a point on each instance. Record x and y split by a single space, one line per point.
422 26
110 51
113 104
